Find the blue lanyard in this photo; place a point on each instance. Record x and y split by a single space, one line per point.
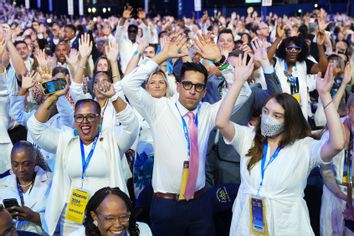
85 162
264 157
20 192
185 128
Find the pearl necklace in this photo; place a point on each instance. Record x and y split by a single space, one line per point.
26 185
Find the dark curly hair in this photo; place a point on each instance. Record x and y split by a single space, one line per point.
300 42
95 201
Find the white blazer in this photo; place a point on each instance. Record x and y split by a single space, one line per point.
36 199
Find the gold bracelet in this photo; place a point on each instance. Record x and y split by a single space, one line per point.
324 108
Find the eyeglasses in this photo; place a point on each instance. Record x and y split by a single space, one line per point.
293 49
89 117
112 219
187 85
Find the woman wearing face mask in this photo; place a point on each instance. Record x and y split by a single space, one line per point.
110 212
276 159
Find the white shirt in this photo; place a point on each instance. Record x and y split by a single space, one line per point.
170 145
126 46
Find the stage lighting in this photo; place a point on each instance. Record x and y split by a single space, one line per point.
94 10
89 10
104 10
315 5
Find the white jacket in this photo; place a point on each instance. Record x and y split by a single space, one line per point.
36 198
61 143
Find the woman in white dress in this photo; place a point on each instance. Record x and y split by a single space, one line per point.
276 159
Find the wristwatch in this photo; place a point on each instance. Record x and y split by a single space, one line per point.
221 61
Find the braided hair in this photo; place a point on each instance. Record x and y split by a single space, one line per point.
95 201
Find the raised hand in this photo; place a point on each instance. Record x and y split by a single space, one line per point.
106 89
141 13
127 13
347 78
243 70
142 45
85 45
29 80
41 58
172 48
207 48
73 57
246 48
260 52
321 37
2 46
7 32
324 85
111 50
280 30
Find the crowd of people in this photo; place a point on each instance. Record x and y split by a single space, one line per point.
153 125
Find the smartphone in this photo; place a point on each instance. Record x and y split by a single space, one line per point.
10 202
52 86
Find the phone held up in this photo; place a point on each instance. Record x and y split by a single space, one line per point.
50 87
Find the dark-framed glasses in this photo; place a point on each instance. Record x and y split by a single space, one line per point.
79 118
187 85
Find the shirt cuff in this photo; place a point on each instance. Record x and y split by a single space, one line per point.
268 70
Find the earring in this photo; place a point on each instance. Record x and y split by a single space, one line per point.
76 132
95 223
100 128
36 168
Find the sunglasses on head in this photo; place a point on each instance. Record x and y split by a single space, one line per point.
293 49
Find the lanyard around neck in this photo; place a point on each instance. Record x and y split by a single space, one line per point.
20 191
185 128
86 161
263 166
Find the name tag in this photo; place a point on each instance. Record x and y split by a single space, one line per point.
76 207
184 180
258 223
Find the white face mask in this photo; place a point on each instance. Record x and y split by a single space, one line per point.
270 127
